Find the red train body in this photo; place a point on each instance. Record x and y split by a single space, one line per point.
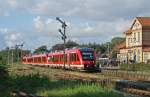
77 58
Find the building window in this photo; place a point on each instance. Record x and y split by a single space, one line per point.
138 54
138 36
128 41
134 37
145 57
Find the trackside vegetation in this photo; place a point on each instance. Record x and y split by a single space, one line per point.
135 67
34 82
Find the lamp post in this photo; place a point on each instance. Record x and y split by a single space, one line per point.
64 37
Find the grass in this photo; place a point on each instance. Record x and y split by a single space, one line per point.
29 80
135 67
41 85
80 90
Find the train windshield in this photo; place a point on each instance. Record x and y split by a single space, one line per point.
87 55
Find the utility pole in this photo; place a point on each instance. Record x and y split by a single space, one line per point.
17 47
12 55
108 53
21 50
108 50
8 55
64 37
17 52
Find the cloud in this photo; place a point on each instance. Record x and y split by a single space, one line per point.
91 9
12 3
85 9
10 37
4 30
87 20
38 23
49 27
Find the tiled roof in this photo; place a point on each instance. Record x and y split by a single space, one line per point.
128 31
147 49
145 21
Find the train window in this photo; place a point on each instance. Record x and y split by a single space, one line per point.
65 58
87 55
77 57
61 58
74 57
28 60
55 58
31 59
70 57
35 59
39 59
50 59
43 59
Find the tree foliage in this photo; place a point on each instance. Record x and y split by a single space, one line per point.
41 49
9 54
117 40
69 44
102 50
114 42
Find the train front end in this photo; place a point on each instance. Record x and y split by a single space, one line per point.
88 56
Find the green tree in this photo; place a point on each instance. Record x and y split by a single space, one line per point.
117 40
41 49
114 42
69 44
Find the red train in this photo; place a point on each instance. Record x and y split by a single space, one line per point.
77 58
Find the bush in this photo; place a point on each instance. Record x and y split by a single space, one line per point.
3 71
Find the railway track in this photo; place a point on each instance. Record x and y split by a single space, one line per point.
134 87
128 75
137 92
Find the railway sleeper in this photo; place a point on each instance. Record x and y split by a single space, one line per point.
22 94
137 92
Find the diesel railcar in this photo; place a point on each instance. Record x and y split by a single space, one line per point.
76 58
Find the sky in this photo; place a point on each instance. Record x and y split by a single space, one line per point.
34 21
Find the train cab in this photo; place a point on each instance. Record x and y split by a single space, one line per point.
88 57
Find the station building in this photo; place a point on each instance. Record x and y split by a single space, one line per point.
137 45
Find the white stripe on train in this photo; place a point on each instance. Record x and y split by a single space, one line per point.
59 65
